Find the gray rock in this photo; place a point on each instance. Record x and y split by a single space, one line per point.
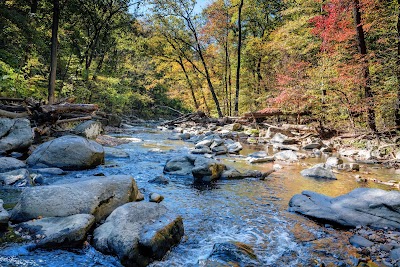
235 147
333 162
287 155
349 167
140 196
185 136
231 254
362 206
395 254
231 173
54 232
282 139
114 120
139 233
9 164
180 165
159 180
15 135
98 196
157 198
220 150
259 157
68 153
312 146
360 242
111 152
273 130
203 143
89 129
206 170
318 172
16 177
201 150
4 216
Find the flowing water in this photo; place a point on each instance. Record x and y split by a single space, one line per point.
250 211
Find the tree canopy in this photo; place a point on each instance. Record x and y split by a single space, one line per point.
336 60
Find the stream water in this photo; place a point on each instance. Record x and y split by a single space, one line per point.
250 211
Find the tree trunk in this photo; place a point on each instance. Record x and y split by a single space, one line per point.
190 83
362 49
239 47
397 115
53 64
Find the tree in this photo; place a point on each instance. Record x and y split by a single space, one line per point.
239 48
53 55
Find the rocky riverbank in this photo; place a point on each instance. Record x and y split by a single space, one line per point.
205 163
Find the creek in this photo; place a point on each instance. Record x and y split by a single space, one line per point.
249 210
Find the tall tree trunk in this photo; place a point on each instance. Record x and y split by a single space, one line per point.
53 64
362 49
189 83
397 117
239 48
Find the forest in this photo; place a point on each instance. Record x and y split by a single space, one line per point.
337 61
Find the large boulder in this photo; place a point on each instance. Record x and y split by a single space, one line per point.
231 254
68 153
362 206
54 232
319 171
180 165
89 129
9 164
139 233
15 135
207 170
96 196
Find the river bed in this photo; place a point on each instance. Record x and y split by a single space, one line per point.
249 210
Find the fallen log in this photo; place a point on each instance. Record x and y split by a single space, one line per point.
12 115
67 108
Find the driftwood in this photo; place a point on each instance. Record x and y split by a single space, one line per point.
74 119
13 115
65 108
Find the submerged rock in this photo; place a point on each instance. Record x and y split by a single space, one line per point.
360 242
54 232
111 152
231 254
96 196
159 180
362 206
139 233
15 135
68 153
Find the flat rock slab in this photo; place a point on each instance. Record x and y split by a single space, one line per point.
139 233
53 232
98 196
362 206
68 153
